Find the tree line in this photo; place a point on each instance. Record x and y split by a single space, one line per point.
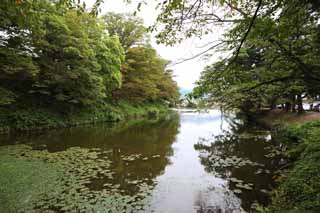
58 57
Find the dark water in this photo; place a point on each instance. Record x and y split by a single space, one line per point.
193 161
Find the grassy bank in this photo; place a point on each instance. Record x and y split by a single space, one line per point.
299 180
37 118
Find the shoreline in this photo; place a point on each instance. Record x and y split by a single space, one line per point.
43 119
298 179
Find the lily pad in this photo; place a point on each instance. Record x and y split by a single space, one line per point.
237 191
244 186
235 180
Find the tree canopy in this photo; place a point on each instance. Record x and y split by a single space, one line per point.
55 55
145 77
274 46
127 27
61 56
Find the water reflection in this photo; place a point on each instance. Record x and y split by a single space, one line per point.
239 156
164 155
185 185
151 139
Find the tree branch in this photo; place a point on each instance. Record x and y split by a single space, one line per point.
247 32
197 55
285 78
308 72
237 9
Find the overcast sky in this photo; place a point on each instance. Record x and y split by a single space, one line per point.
185 73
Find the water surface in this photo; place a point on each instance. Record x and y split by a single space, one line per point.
190 162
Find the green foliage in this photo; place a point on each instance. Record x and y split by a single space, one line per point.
27 119
146 109
127 27
146 79
299 190
61 182
62 66
274 44
6 97
80 64
31 118
62 57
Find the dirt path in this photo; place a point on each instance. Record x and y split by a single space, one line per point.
290 117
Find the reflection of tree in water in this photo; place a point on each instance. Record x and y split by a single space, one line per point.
238 155
143 152
216 200
150 139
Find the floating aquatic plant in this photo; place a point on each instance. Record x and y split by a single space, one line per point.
63 182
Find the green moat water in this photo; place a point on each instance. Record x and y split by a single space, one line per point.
186 162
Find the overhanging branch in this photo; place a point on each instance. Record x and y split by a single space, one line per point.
247 32
281 79
307 71
197 55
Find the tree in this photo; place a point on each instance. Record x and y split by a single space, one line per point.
168 88
145 77
61 57
127 27
274 44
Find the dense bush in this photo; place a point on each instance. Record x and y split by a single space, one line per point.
299 190
45 118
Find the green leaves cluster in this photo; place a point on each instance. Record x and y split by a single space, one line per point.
274 46
128 28
145 76
60 57
146 79
277 64
299 187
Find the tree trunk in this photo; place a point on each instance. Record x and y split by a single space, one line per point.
300 104
287 106
311 107
293 106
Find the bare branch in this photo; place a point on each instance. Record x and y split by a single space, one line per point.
197 55
237 9
281 79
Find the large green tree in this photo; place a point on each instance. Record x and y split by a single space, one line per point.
127 27
146 78
58 56
55 54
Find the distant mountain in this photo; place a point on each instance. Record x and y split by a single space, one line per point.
184 91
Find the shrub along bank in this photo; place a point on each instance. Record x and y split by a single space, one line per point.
299 183
35 118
